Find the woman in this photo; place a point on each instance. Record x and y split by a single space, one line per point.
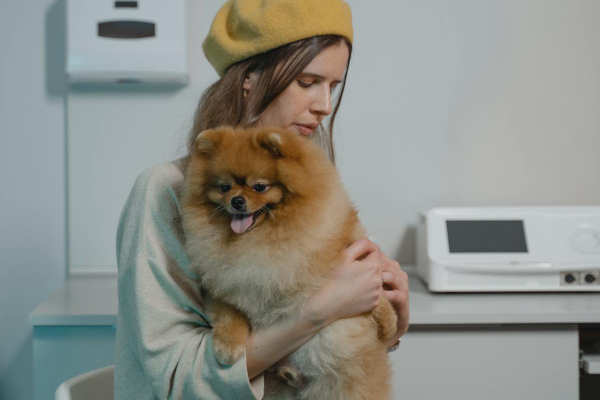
271 75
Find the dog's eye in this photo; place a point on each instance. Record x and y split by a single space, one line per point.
225 188
260 187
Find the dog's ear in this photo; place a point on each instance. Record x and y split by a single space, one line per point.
271 141
279 143
207 141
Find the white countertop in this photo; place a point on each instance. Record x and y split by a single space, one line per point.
93 301
81 301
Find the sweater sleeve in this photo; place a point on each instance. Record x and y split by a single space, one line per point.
164 339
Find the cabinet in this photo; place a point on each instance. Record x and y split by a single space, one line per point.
459 346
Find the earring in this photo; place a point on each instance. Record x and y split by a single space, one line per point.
245 93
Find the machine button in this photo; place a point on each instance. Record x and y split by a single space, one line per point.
586 240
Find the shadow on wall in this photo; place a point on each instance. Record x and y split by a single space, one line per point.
55 49
406 253
16 380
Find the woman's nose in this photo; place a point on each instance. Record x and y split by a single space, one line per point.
322 102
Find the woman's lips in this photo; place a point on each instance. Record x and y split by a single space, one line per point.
306 130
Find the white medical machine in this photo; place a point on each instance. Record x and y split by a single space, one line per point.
501 249
126 41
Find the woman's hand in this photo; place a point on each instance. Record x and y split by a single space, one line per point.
356 284
396 291
355 288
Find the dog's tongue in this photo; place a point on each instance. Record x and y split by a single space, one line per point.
240 223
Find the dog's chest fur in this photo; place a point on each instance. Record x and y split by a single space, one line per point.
267 285
271 279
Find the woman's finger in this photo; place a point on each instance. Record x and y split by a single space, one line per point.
393 274
360 248
391 280
394 296
389 264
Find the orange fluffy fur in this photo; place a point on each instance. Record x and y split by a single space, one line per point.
302 221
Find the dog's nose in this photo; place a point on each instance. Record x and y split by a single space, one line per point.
239 203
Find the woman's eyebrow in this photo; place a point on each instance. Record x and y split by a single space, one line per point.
317 76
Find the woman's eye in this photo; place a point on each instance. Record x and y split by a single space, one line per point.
225 188
303 83
259 187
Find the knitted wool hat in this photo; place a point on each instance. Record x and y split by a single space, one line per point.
244 28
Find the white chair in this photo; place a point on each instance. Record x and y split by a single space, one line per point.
93 385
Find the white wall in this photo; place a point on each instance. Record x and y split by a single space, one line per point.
470 102
32 178
448 103
116 132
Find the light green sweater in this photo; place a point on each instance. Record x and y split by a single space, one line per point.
164 340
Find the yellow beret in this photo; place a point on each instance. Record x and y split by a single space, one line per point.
244 28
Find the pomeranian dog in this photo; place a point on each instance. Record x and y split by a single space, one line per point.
266 219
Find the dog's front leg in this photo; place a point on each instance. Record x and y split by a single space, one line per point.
230 331
386 319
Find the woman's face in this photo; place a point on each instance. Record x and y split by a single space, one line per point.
305 102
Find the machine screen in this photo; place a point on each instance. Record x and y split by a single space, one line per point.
486 236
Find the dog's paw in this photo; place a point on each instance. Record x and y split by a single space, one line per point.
227 352
388 328
230 332
290 375
386 319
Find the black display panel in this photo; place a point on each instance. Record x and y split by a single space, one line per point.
126 4
126 29
486 236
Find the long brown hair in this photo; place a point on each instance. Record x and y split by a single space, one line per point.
223 103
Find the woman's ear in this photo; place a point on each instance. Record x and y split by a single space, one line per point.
249 83
246 84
